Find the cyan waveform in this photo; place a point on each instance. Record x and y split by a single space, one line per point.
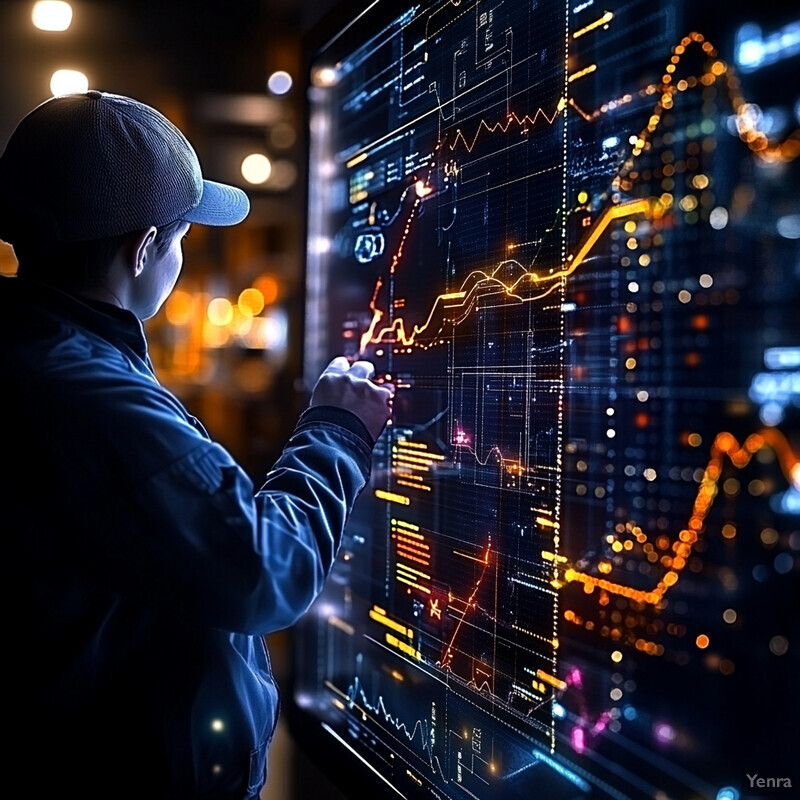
357 698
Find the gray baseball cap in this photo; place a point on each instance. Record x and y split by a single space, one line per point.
92 165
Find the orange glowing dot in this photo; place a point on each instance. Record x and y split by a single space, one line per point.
251 302
702 641
682 550
268 287
754 443
729 531
179 307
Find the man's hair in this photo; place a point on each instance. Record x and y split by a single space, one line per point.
75 266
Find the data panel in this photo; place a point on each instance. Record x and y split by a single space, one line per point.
568 234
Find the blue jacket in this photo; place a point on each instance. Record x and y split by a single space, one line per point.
141 568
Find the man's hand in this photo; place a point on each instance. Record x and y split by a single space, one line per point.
350 386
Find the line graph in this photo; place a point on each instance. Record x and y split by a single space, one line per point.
504 125
468 604
453 307
554 227
724 446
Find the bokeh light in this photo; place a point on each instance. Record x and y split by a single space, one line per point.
268 287
251 302
220 311
179 307
256 168
68 81
280 82
52 15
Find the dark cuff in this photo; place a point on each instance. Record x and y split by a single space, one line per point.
339 416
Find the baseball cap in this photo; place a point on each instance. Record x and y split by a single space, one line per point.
94 165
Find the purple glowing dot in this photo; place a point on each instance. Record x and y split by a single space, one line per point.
664 733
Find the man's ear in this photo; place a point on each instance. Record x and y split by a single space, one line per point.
142 243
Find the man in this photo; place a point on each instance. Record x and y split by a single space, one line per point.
140 568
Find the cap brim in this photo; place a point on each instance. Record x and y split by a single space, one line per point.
220 205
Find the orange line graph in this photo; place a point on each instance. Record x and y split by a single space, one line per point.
761 145
453 307
748 130
724 445
503 126
469 603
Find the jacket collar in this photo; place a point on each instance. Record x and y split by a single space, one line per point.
24 298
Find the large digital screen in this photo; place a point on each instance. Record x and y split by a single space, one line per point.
568 232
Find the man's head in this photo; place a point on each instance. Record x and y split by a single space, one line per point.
90 166
83 173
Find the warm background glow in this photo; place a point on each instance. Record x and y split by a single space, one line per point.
52 15
68 81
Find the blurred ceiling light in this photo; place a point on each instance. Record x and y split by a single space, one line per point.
256 168
52 15
68 81
280 82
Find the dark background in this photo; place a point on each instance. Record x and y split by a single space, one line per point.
205 65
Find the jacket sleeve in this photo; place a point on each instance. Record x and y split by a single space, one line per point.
222 555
